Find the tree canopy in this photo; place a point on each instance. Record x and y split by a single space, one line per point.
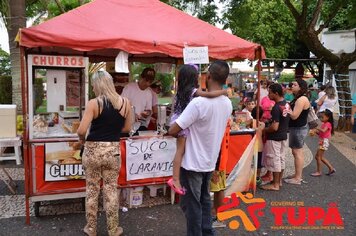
268 23
4 63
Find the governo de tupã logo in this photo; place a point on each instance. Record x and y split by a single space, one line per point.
287 215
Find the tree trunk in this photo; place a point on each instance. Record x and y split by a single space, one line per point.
17 21
344 96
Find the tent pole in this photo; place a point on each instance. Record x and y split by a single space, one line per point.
259 56
25 133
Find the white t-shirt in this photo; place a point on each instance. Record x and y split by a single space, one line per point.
328 104
320 95
249 116
263 93
154 98
206 119
140 99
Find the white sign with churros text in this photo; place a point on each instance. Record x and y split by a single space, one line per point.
63 162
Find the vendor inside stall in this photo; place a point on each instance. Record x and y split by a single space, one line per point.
140 96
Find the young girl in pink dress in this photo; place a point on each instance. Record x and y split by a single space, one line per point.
324 132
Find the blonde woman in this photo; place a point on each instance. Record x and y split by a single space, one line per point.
327 101
109 114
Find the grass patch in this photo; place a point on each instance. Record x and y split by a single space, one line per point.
43 108
164 100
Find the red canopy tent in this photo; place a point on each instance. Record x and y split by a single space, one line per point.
144 28
148 30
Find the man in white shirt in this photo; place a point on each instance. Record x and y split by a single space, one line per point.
140 96
206 119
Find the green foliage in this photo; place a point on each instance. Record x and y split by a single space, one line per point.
208 13
165 79
66 5
205 10
286 78
4 63
38 90
166 82
268 23
137 68
5 89
36 8
4 11
345 18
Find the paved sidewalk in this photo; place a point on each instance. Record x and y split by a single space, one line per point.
169 220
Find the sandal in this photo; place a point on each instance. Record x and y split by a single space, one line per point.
316 174
89 231
293 181
271 182
177 190
331 172
119 231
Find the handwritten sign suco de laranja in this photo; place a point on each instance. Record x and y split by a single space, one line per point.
149 157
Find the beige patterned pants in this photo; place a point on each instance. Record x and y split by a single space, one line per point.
101 160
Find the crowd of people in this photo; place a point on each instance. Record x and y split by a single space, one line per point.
199 121
284 110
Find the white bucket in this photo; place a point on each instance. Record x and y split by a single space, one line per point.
135 196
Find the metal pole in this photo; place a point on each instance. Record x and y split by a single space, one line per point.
24 86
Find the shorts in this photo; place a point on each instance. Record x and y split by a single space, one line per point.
297 136
275 155
323 144
218 181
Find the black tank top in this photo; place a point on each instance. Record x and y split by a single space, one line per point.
108 125
302 119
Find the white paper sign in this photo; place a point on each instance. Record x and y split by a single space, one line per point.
62 162
196 55
149 157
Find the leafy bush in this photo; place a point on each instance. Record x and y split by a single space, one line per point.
286 78
5 89
166 83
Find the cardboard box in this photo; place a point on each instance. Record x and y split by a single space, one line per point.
7 121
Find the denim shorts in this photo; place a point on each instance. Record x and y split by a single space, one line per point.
297 136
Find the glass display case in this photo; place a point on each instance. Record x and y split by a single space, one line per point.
57 95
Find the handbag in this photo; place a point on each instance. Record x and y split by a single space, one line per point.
313 120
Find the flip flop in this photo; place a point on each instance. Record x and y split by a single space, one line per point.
271 182
177 190
293 181
315 174
331 172
269 187
289 177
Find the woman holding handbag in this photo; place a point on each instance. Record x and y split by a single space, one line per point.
298 128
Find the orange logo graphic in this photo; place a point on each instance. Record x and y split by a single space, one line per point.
254 210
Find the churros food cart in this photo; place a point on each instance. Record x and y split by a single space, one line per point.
61 48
